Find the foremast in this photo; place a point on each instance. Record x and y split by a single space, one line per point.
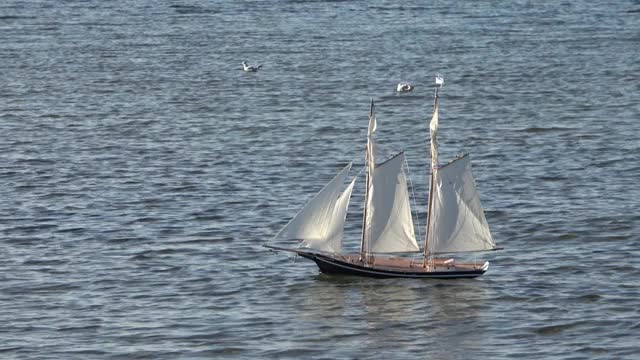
433 131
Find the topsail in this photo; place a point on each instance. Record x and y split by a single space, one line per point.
433 133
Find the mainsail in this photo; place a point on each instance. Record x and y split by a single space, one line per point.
457 222
320 224
389 226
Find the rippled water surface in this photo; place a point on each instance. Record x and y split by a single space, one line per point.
141 170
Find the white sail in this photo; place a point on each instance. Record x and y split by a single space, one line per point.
433 132
320 223
332 241
458 223
371 144
389 226
371 164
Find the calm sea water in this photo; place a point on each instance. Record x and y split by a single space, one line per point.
141 170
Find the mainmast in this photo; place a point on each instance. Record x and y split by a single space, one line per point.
370 163
433 130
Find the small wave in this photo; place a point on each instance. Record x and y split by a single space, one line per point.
21 240
619 237
165 268
87 352
315 1
40 262
192 10
54 195
594 350
623 269
568 236
76 230
143 220
542 309
496 213
211 217
536 129
31 229
511 298
8 349
589 298
554 329
16 17
35 161
170 251
553 178
327 130
52 288
565 269
120 240
400 8
75 328
141 256
226 239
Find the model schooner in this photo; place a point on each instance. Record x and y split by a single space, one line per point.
455 219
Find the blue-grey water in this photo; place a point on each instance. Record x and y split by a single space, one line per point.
141 170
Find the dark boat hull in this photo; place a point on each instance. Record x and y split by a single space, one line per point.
329 265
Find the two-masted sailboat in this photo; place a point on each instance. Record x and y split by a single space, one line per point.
455 219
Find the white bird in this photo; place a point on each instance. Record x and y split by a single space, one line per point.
404 87
248 68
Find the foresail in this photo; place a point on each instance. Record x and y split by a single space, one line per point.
458 223
332 241
320 223
389 222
